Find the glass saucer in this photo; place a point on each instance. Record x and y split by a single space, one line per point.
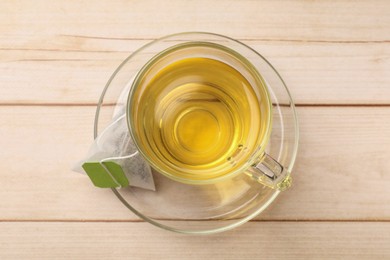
209 208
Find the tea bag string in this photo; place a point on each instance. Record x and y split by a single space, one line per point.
101 162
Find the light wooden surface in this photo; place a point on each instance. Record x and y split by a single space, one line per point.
55 58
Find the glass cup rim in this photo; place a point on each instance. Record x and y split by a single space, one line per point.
253 158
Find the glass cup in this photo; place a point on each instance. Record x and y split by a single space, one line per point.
218 203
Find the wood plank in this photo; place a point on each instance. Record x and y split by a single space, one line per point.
341 171
315 72
268 240
285 20
328 52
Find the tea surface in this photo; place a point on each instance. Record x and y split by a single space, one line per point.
197 118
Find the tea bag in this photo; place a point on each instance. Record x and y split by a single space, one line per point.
113 160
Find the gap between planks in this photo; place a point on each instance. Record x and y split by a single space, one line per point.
114 104
239 38
142 221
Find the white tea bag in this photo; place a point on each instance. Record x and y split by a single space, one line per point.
114 161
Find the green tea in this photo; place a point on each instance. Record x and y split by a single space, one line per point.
198 118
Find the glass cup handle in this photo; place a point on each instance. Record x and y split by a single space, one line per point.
271 173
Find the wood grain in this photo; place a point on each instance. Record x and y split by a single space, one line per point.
285 20
341 171
316 73
264 240
328 52
55 58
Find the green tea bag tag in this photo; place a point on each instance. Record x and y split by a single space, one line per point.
106 174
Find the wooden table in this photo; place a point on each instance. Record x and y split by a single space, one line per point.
55 58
